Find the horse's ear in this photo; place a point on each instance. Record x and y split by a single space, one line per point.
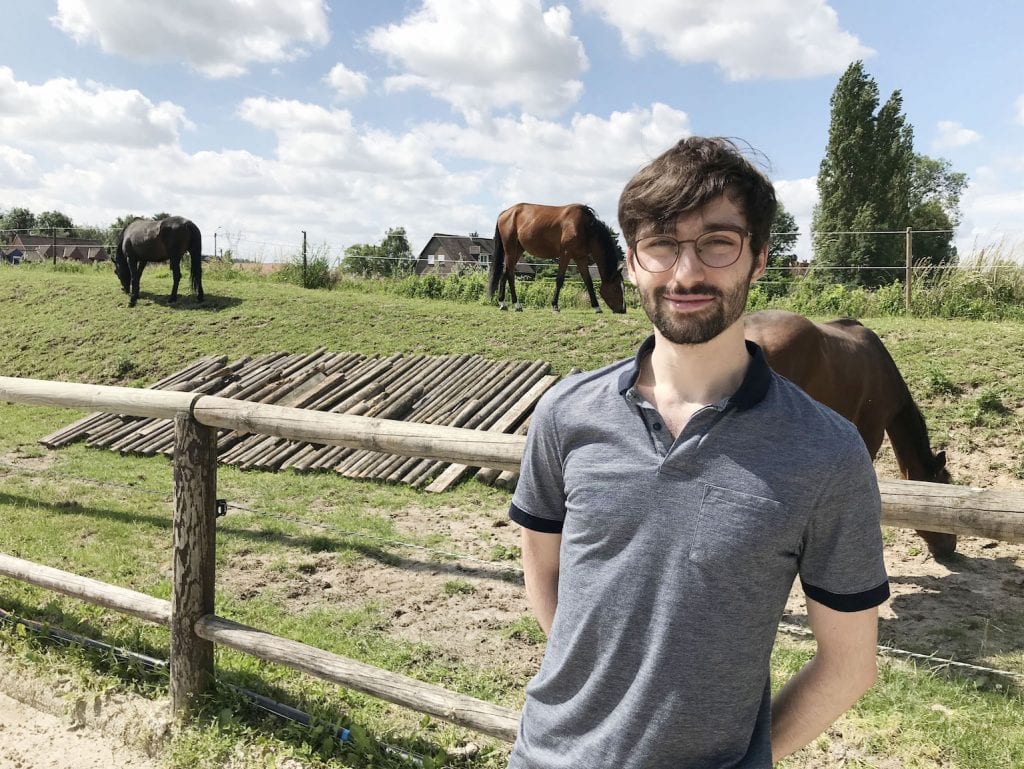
940 460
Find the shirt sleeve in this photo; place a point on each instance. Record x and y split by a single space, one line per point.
842 564
539 499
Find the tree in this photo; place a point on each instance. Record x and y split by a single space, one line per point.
784 235
391 258
54 223
935 190
17 221
113 233
159 216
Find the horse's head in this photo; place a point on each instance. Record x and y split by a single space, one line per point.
612 292
122 272
937 472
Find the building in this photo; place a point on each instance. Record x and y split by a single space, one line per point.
445 254
38 248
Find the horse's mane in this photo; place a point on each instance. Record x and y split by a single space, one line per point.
605 236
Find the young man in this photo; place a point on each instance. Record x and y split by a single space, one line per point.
669 501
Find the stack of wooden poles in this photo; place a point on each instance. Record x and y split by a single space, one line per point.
455 390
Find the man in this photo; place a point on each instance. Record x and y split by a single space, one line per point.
669 501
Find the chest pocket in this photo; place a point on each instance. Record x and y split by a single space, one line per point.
737 528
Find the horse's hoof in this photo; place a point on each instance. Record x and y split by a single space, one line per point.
503 306
940 544
555 310
597 309
172 299
131 302
519 308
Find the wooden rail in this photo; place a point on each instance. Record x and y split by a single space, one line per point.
189 615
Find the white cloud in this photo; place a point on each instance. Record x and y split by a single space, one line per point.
346 83
17 168
218 39
799 196
952 134
481 55
746 39
65 112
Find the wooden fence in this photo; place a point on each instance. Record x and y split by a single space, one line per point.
195 628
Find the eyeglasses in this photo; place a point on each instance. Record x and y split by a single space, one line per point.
717 248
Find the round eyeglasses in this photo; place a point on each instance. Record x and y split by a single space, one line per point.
716 248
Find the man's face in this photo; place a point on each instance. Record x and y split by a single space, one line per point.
692 303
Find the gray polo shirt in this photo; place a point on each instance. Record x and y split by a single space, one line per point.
676 561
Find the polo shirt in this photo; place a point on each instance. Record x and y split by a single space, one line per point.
677 557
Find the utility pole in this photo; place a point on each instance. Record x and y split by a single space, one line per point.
53 234
304 284
215 255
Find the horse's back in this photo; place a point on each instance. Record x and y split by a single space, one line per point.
841 363
541 229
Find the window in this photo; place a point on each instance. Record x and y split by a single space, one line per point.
430 259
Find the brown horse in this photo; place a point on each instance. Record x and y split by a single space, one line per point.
145 240
845 366
565 234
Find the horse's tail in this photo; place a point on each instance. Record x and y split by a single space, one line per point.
195 250
497 264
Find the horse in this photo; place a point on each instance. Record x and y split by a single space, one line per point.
144 240
845 366
565 234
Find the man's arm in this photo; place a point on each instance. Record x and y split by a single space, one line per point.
840 672
540 572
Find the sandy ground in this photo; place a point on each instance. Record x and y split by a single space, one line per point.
33 739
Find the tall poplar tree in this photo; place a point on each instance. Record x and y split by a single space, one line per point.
872 181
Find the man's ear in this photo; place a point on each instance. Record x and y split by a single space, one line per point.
760 263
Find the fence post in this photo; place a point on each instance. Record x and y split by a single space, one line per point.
195 491
908 284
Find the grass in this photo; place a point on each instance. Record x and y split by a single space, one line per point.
108 517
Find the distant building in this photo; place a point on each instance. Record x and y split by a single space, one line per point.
445 254
38 248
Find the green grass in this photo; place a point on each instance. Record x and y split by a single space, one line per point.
108 517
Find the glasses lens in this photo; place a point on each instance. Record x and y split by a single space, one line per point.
719 248
657 253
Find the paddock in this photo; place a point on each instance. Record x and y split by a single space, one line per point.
195 628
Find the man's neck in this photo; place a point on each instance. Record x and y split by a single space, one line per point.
695 375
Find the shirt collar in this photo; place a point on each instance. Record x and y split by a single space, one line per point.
751 391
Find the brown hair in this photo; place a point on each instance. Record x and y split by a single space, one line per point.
687 177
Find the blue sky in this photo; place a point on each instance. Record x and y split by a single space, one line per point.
259 119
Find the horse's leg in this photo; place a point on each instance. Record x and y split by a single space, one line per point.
581 265
135 267
511 278
176 275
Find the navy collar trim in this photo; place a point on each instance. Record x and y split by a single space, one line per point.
751 391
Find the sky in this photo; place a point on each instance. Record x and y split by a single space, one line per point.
261 119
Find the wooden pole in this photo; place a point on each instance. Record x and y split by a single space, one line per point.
907 291
195 492
459 709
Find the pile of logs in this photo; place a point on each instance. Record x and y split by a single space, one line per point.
454 390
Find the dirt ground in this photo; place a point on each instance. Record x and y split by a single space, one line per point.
968 608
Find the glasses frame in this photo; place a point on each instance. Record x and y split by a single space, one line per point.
741 231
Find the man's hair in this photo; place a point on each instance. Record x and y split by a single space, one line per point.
687 177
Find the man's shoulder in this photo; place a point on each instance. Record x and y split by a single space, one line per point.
589 384
813 419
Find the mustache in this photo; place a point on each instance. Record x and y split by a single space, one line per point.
698 289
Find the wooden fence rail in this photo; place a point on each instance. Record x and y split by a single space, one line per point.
189 615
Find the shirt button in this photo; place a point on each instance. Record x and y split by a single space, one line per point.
657 425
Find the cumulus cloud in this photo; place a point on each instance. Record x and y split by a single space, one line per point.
218 39
481 55
65 111
799 196
746 39
17 168
952 134
346 83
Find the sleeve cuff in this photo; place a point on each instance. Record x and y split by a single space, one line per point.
524 519
866 599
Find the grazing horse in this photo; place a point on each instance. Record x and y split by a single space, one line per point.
845 366
145 240
565 234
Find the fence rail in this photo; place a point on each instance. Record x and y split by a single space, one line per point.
189 615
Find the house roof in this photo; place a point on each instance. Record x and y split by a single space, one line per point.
47 240
458 247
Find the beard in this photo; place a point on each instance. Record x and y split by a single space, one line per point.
697 327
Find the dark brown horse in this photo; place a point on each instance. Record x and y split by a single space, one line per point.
564 234
845 366
146 240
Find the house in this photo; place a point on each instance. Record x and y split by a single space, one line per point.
37 248
444 254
